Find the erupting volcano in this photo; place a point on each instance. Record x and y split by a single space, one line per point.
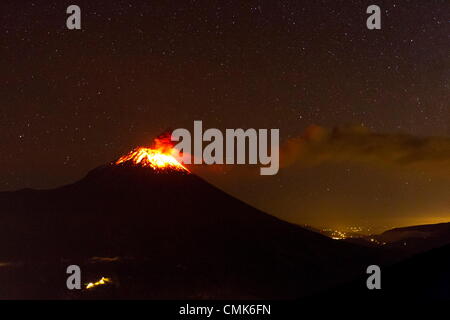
159 157
176 236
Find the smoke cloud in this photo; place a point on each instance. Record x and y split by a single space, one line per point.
356 144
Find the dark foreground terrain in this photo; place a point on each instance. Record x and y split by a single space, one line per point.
161 235
423 277
171 235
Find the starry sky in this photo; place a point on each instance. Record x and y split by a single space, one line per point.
72 100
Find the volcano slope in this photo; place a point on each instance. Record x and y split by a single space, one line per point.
161 234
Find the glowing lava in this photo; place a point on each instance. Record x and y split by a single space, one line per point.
159 157
100 282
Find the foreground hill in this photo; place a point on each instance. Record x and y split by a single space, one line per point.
400 243
423 277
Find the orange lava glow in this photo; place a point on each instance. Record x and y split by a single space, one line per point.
159 157
100 282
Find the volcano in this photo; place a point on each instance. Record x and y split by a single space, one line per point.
159 232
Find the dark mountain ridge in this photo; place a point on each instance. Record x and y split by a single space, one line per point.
175 236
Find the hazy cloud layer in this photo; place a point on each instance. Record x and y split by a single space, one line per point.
356 144
349 176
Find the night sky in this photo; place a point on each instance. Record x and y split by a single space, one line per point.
72 100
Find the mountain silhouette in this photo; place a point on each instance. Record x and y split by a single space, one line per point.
401 243
161 234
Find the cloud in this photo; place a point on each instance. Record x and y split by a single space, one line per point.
358 145
347 176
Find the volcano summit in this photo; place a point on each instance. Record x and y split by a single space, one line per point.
159 157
